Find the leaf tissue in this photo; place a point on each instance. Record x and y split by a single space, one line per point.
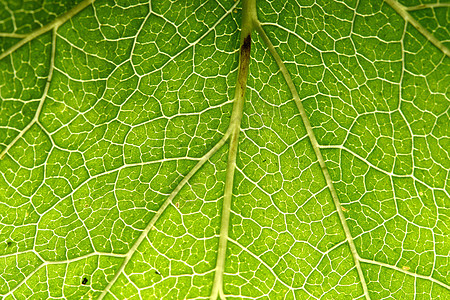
223 149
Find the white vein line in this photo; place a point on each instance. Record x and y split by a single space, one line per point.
368 261
53 25
403 12
41 101
262 262
390 174
13 35
160 211
318 154
189 45
47 263
91 178
428 5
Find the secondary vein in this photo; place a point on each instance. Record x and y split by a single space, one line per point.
316 148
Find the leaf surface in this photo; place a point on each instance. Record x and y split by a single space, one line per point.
139 161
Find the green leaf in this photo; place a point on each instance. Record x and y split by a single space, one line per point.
218 149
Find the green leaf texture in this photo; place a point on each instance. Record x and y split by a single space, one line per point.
117 130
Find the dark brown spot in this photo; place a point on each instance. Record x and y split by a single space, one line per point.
84 281
245 51
244 60
157 273
246 45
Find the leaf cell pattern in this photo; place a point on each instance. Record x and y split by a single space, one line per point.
116 141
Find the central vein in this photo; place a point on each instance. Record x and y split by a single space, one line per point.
248 18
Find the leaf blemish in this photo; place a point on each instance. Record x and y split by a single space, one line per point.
245 48
84 281
243 61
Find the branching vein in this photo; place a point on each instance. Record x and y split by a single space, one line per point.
403 12
318 153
